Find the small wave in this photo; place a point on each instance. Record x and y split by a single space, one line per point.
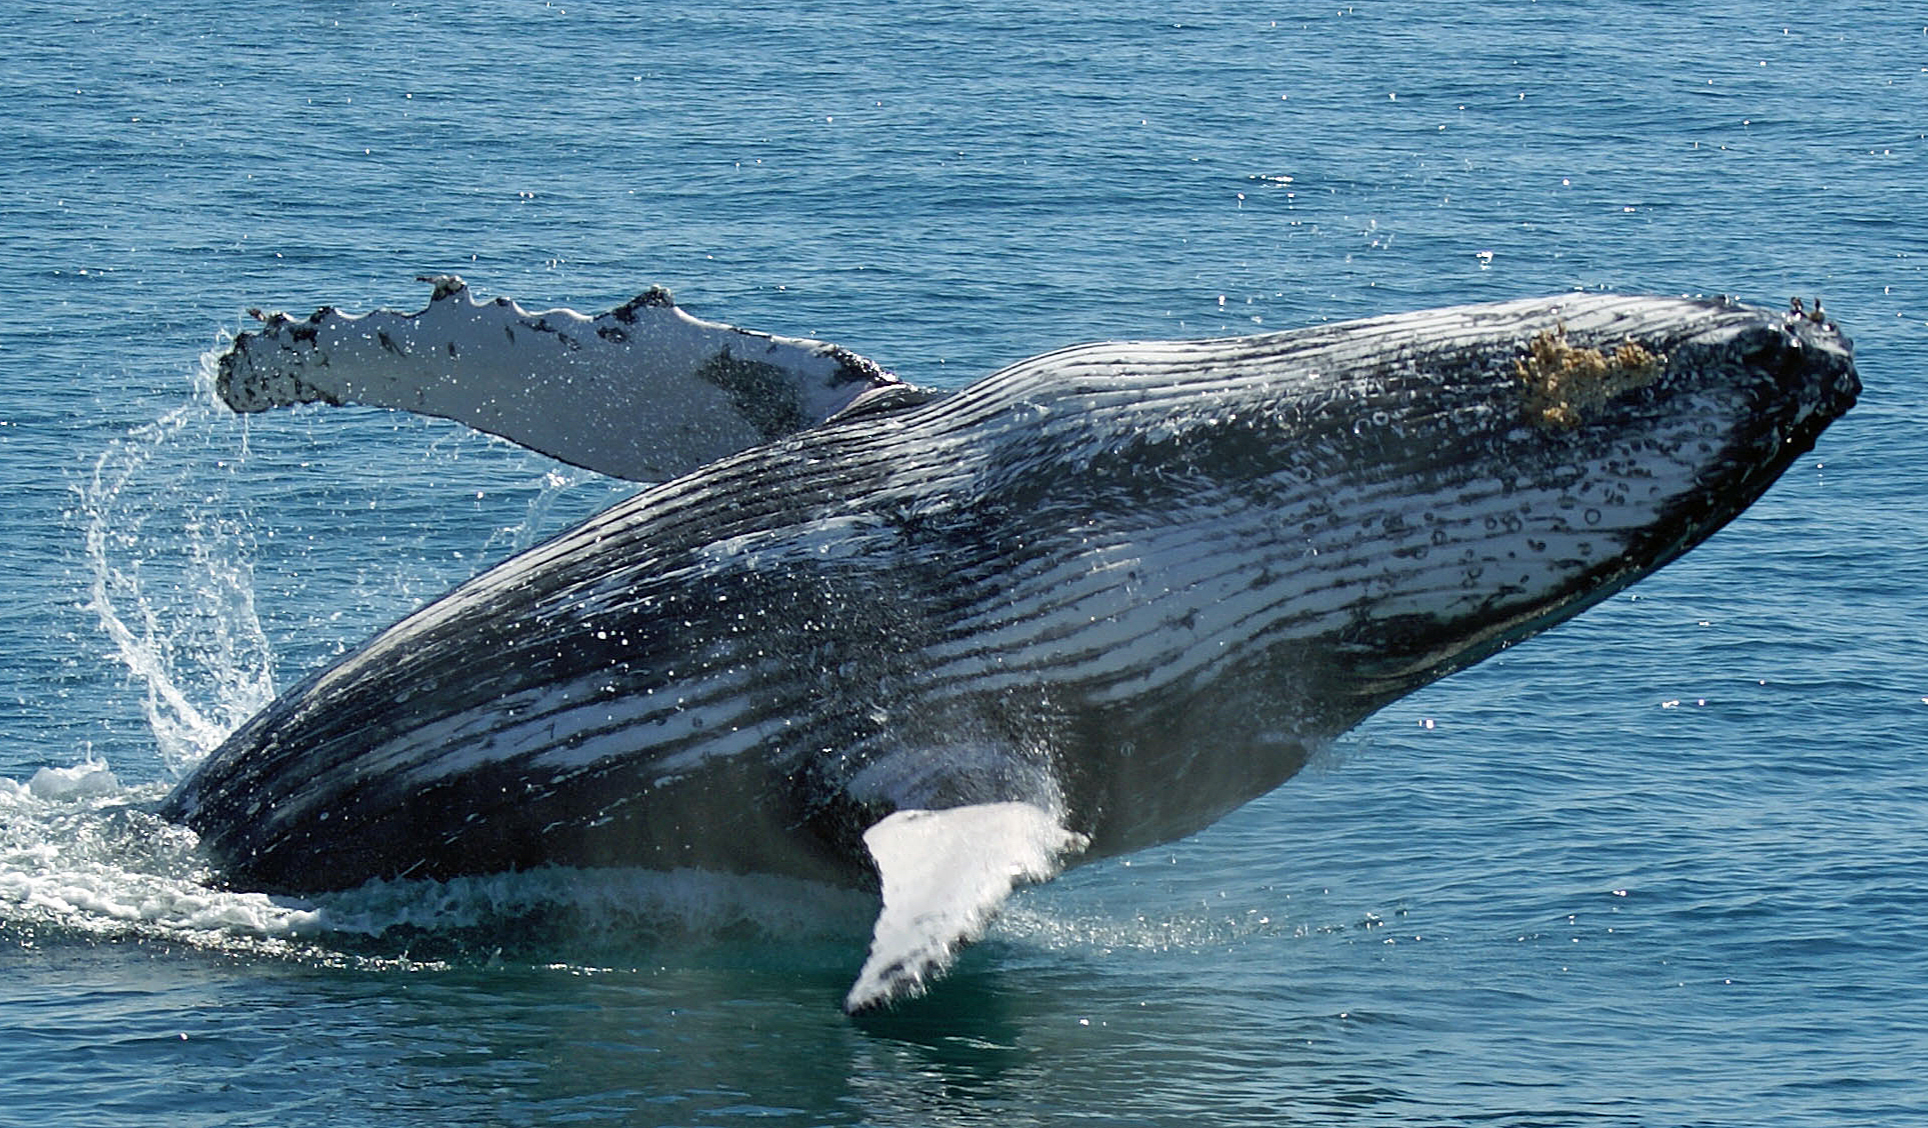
1141 933
83 858
600 913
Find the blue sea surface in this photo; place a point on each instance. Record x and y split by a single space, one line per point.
1666 865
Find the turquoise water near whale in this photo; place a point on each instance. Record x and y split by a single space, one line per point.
1664 865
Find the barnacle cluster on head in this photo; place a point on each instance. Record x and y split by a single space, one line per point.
1563 382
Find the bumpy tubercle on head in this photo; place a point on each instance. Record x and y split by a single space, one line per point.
1563 382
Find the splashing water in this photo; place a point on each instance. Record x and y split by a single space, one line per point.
83 857
555 484
169 548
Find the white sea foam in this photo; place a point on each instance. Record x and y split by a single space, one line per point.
83 857
86 780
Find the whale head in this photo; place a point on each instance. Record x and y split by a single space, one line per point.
1382 502
1503 487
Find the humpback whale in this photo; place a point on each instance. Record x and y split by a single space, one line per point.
939 646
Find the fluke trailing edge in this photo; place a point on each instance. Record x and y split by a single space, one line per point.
943 645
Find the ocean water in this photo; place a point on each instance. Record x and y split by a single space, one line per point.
1666 865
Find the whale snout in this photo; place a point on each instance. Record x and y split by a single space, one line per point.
1768 386
1815 363
1622 431
1723 388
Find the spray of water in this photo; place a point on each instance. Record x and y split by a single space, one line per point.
555 483
168 548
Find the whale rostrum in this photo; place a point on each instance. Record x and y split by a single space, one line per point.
943 645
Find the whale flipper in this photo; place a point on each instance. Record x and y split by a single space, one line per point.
643 391
945 875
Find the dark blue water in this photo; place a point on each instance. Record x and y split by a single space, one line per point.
1663 866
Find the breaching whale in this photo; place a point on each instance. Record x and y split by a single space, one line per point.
942 645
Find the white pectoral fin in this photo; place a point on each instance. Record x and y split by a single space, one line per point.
643 391
945 875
